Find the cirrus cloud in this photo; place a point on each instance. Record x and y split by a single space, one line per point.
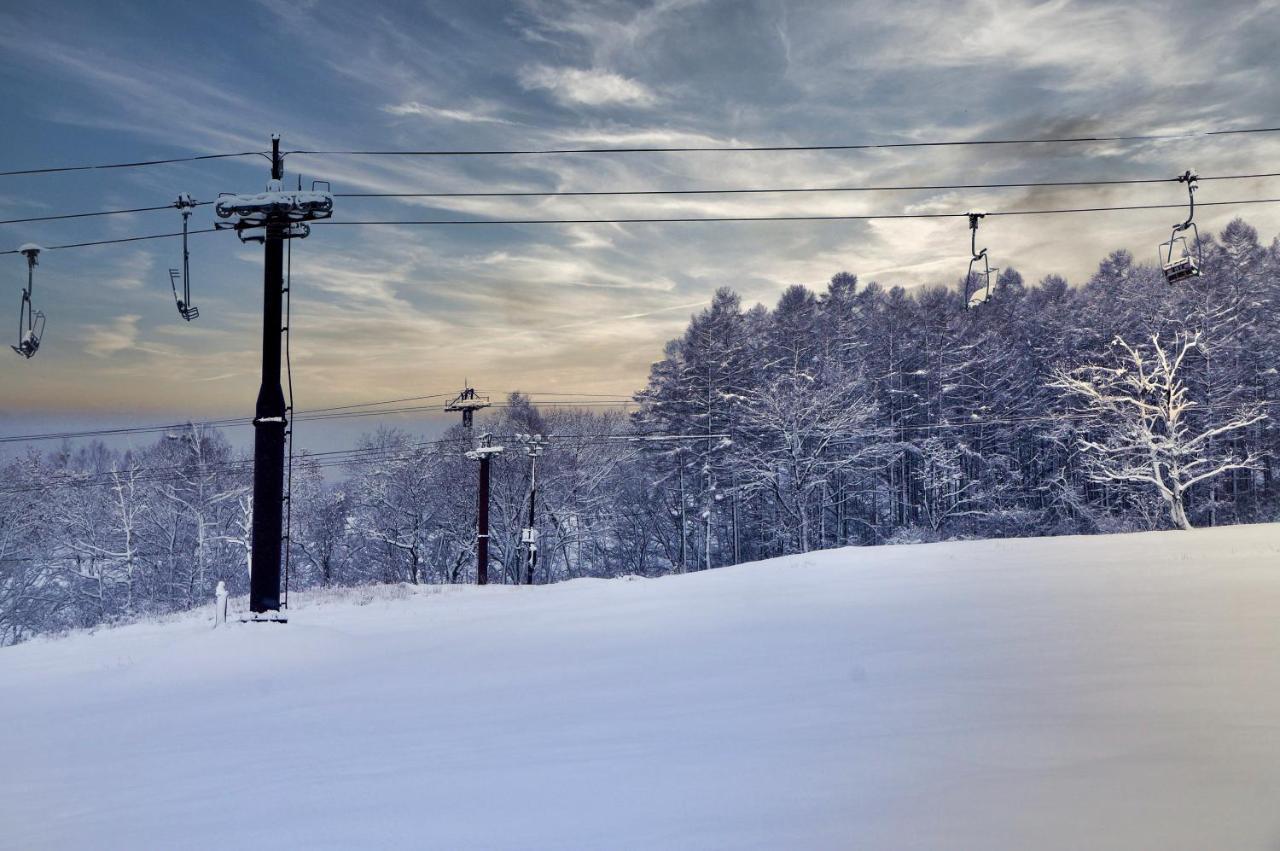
466 116
587 86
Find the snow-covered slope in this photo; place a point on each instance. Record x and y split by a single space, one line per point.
1109 692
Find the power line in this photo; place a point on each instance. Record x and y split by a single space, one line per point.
1151 137
375 404
803 189
336 412
342 413
320 460
137 164
376 454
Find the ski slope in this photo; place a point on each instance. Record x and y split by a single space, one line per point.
1116 692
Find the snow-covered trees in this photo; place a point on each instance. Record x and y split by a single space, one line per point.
796 438
860 413
1148 429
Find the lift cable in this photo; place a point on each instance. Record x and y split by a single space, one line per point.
691 219
1150 137
785 218
61 216
119 240
799 189
138 164
666 192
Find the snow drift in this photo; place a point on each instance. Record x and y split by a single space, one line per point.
1102 692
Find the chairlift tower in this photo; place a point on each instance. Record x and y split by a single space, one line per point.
271 217
468 402
483 453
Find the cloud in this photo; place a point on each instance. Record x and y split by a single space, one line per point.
1069 38
585 306
589 87
105 340
426 111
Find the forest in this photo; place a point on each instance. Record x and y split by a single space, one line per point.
861 414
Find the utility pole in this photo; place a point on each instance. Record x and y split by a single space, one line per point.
483 453
533 446
280 215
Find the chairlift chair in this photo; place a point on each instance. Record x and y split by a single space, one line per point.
983 293
186 309
1189 259
30 320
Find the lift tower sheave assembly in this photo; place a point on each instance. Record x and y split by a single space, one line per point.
272 217
468 403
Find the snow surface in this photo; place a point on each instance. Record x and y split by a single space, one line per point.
1108 692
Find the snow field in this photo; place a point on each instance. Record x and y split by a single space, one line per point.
1102 692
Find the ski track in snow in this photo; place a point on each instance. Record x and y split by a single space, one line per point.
1092 692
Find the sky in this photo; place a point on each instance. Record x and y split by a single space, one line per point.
390 312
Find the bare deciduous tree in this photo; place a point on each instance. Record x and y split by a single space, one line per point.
1149 434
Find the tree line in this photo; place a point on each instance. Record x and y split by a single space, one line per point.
855 415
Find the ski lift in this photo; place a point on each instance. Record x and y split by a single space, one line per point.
186 309
1189 257
30 320
982 294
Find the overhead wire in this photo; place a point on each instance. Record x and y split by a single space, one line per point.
800 189
319 460
1141 137
61 216
136 164
687 220
373 408
865 146
377 408
785 218
377 454
678 192
116 240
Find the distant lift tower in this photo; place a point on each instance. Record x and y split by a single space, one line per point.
468 402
